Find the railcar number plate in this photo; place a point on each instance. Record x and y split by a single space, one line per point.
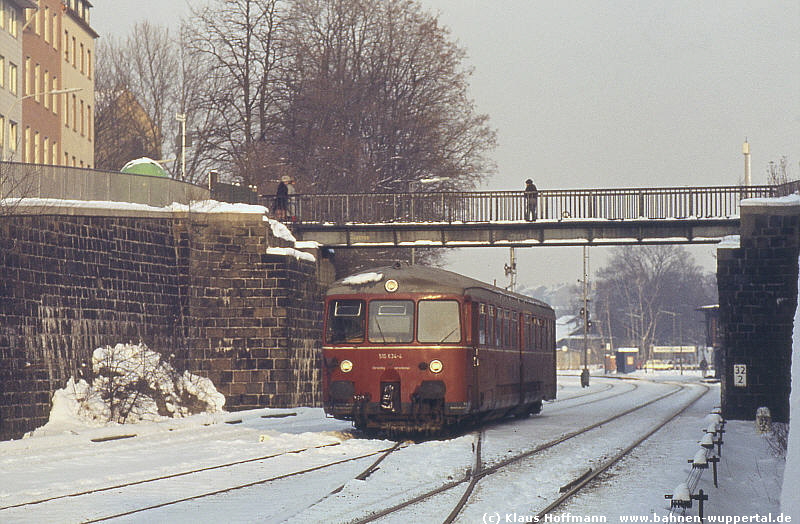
740 375
389 355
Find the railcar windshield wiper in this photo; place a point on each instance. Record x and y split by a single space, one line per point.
448 335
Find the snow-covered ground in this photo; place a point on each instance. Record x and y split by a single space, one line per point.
267 446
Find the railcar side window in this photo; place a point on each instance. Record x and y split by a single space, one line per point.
439 321
345 322
482 325
391 321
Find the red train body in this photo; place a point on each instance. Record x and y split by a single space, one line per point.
412 348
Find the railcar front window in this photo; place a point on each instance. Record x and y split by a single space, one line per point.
391 321
439 321
345 322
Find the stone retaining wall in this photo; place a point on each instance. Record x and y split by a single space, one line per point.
198 288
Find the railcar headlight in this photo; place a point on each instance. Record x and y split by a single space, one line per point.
346 366
435 366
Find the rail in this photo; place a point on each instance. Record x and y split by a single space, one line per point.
510 206
18 180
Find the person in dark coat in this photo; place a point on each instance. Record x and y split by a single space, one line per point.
282 198
531 200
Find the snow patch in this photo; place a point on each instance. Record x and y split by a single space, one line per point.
279 230
131 384
790 502
288 251
362 278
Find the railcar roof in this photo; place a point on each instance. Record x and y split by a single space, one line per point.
418 279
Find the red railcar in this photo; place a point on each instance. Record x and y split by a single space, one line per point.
413 348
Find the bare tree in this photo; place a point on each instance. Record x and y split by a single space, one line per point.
239 43
642 286
377 99
778 172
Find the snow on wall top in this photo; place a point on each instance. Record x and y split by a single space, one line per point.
788 200
729 242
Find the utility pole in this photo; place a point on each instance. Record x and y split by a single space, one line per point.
181 117
511 271
585 313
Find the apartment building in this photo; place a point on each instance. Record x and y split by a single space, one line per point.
12 17
57 84
77 70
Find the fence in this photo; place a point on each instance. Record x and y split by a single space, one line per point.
19 180
499 206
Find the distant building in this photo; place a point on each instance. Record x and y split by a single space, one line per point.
570 343
126 131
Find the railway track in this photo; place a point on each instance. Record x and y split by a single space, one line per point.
381 453
480 471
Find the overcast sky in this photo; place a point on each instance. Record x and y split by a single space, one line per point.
608 93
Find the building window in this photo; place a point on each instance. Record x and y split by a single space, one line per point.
54 152
12 23
66 110
54 36
83 120
46 94
46 24
2 137
89 121
37 87
26 146
26 80
66 45
13 78
83 60
2 15
53 99
74 112
89 63
74 52
13 135
2 71
37 145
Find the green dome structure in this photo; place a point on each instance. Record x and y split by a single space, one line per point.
144 166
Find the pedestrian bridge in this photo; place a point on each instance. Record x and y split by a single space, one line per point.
667 215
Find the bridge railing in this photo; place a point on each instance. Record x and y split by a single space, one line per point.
498 206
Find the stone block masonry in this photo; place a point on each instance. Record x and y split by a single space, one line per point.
757 284
197 287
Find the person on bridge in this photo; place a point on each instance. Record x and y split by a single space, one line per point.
282 198
531 200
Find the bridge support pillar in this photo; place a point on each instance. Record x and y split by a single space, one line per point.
757 282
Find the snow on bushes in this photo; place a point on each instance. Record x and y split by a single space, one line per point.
133 384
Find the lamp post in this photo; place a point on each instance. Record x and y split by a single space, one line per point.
45 93
54 92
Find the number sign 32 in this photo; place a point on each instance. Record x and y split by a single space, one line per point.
740 375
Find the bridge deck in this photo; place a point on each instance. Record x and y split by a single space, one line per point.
497 218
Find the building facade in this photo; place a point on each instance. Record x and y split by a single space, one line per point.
40 77
77 68
56 84
12 16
